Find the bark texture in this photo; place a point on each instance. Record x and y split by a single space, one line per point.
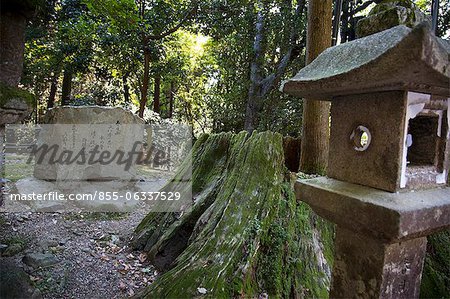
171 98
157 94
12 43
66 88
126 89
316 129
53 90
145 80
245 235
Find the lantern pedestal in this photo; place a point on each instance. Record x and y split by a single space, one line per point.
381 236
367 268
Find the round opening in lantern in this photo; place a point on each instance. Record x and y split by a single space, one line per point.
360 138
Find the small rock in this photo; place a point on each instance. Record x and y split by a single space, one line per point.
15 283
46 244
202 291
36 260
115 239
56 249
52 243
263 296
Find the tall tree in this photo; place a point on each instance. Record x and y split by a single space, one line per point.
152 21
260 85
13 18
63 44
316 114
66 87
148 39
53 90
157 93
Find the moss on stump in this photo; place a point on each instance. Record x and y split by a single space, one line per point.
15 104
436 270
8 93
245 235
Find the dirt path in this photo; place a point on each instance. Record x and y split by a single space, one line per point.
85 255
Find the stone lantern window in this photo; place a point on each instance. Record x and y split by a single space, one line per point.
427 132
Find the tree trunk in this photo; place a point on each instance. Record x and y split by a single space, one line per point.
292 147
66 87
316 114
254 93
171 99
52 94
260 87
345 21
245 234
352 21
157 94
12 44
126 89
145 82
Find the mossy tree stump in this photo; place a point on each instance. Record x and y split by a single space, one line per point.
245 234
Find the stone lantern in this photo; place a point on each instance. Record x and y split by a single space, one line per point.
389 156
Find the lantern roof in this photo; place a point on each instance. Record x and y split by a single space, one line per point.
399 58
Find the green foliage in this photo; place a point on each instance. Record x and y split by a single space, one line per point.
204 66
232 51
15 244
122 14
443 29
66 42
